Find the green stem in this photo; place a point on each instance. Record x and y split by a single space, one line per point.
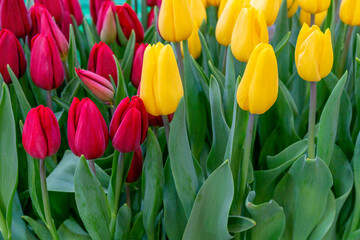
92 166
128 195
312 119
49 222
48 99
224 60
166 128
344 54
136 6
312 19
179 59
66 70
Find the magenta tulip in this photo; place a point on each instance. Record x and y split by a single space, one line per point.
55 8
151 18
138 64
95 6
65 25
135 167
106 24
129 21
74 8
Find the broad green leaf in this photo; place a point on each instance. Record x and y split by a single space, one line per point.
72 57
137 230
123 222
282 44
39 228
238 224
218 75
344 140
338 40
89 34
208 219
181 161
144 14
120 34
128 56
121 90
229 88
70 90
357 86
205 52
70 229
91 202
62 103
202 78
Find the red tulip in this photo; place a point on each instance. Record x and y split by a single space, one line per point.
128 127
135 167
74 8
46 69
106 24
55 8
101 87
151 3
95 6
129 21
138 64
65 25
101 61
12 54
87 131
41 134
151 18
15 17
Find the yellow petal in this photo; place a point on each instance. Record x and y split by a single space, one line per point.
305 17
269 7
349 12
327 58
314 6
198 11
292 6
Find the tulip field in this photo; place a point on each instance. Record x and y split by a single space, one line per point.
180 119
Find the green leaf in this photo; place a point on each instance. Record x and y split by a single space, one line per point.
282 44
213 205
181 161
128 56
205 52
202 78
144 14
229 88
357 86
62 103
72 57
338 39
137 231
70 229
220 129
89 34
153 180
120 34
123 223
329 121
39 228
121 90
70 90
219 76
269 218
91 202
238 224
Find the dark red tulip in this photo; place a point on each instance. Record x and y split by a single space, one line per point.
151 3
87 131
15 17
65 25
101 61
128 127
95 6
106 24
74 8
129 21
46 69
151 18
135 166
55 8
41 134
156 121
138 64
12 54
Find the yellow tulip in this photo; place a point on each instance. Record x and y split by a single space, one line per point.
258 89
314 6
161 87
213 2
270 8
198 11
221 7
204 2
175 21
349 12
250 30
292 6
314 55
305 17
227 20
194 42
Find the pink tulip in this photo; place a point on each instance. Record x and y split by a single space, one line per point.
55 8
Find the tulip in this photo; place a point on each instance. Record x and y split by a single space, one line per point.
12 54
46 69
100 86
175 21
292 6
129 125
138 65
87 131
101 61
161 86
349 12
258 89
305 17
41 133
313 53
106 24
194 42
158 121
270 9
221 7
65 25
74 8
197 10
135 167
14 17
95 6
250 30
151 3
314 6
129 21
151 18
55 8
213 2
227 20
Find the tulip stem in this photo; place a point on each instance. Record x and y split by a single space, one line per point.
166 128
246 159
66 70
312 19
136 6
92 166
49 100
179 59
312 118
224 60
49 222
128 195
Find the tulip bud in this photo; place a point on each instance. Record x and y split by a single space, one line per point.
55 8
270 9
138 64
101 61
129 21
227 20
12 54
161 86
41 133
87 131
74 8
106 24
258 89
175 22
14 17
198 11
46 69
221 7
194 42
349 12
305 17
250 30
314 55
135 167
314 6
213 2
129 125
95 6
151 18
292 6
65 25
157 121
98 85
